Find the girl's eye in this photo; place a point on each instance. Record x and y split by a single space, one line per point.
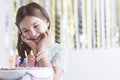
35 26
25 31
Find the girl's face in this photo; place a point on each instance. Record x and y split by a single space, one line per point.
32 28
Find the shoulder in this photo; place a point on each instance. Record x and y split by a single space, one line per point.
61 46
60 57
60 49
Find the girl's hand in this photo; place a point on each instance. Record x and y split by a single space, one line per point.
30 43
45 41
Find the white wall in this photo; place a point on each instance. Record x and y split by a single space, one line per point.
94 65
6 31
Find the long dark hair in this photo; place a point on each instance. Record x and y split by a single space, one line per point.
31 9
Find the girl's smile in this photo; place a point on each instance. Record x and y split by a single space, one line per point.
33 28
37 39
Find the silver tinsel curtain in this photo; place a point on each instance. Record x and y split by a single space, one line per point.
79 24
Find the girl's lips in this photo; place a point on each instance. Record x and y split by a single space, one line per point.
37 39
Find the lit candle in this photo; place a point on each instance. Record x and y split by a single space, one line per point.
11 59
17 59
32 59
26 59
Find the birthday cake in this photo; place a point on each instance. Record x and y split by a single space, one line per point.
28 73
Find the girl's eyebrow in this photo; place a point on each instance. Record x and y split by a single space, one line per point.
23 29
34 23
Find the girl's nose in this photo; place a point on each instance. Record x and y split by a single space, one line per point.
33 33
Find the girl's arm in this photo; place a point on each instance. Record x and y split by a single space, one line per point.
44 62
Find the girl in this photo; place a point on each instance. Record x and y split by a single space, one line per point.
34 35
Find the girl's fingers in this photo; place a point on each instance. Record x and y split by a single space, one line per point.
48 34
24 39
30 43
45 35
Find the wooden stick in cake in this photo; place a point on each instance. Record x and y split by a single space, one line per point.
11 59
18 58
32 59
26 59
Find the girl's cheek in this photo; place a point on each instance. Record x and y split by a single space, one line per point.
26 36
43 30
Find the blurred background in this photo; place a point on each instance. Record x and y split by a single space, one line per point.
89 28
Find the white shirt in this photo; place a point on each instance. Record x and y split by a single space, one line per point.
57 54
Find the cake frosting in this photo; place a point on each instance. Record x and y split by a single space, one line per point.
26 73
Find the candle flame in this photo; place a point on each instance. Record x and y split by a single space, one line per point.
31 53
11 59
11 54
26 54
16 52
